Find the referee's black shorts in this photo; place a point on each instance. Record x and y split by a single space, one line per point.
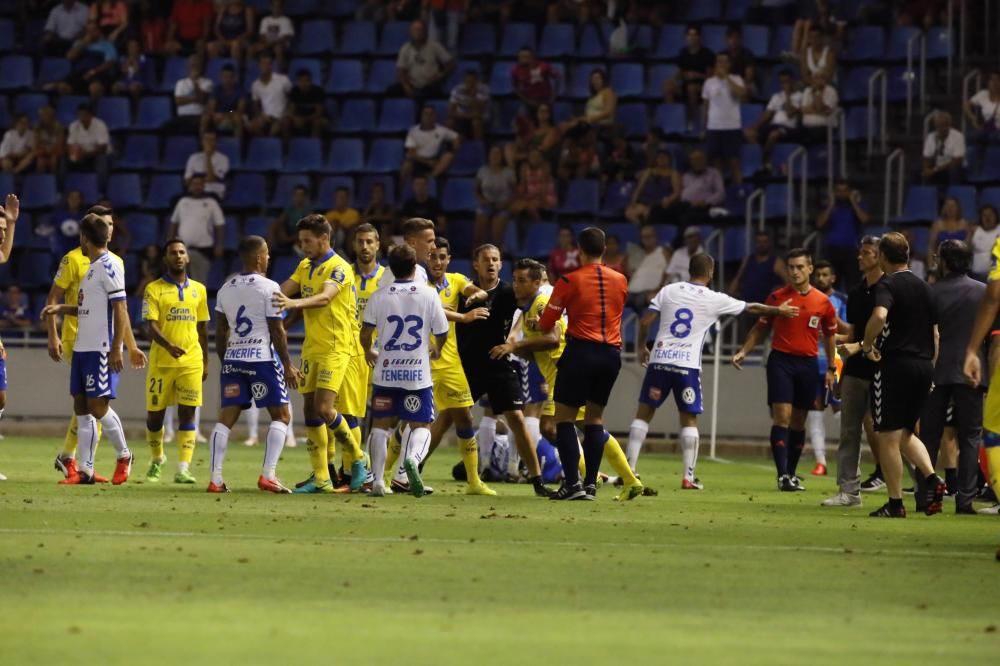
500 381
587 371
899 392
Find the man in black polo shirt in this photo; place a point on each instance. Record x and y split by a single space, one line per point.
694 65
900 338
498 379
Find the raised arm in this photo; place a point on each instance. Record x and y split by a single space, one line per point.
9 212
320 300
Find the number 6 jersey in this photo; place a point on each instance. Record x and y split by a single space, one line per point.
245 301
687 312
405 314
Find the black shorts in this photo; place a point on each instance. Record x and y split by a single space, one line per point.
899 392
792 380
500 382
587 371
724 144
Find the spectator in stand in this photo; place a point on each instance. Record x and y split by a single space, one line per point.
423 65
132 71
984 237
817 59
122 238
779 120
89 144
111 17
283 234
694 64
816 15
17 150
64 26
198 221
950 225
534 80
536 188
983 112
189 27
151 19
150 268
618 162
680 261
599 112
565 256
65 220
430 147
841 225
14 311
469 106
270 98
539 132
93 59
759 273
614 258
227 106
648 275
944 152
742 61
233 31
306 113
276 33
656 194
723 93
581 157
50 141
210 164
701 190
569 11
191 95
343 217
379 213
422 204
819 106
451 12
495 185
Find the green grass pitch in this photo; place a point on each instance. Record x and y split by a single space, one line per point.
737 574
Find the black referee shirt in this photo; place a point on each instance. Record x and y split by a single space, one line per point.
475 340
860 303
909 328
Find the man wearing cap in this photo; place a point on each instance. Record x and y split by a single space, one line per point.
677 269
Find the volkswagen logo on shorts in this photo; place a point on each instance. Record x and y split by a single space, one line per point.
688 396
412 404
258 390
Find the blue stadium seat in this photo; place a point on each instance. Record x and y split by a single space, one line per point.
176 152
174 69
656 76
381 75
440 107
921 238
213 69
670 43
5 118
66 108
539 239
752 160
966 195
898 82
781 40
7 184
749 113
734 244
579 86
627 79
938 43
264 154
39 191
898 39
356 115
617 197
153 113
257 226
991 196
855 86
397 116
35 269
407 189
756 39
328 189
702 10
304 155
582 198
311 65
164 190
671 119
736 10
394 35
315 37
368 183
230 147
625 232
283 267
125 190
141 151
714 37
515 37
780 155
16 72
920 204
990 171
115 112
500 81
865 43
857 123
346 76
634 119
51 70
459 195
346 156
558 41
358 38
479 39
471 155
285 185
7 38
144 229
218 271
592 44
247 190
666 234
776 205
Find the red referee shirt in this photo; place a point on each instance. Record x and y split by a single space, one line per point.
594 298
800 336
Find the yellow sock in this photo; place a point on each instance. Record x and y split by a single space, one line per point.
470 458
316 444
333 448
69 445
356 434
392 455
350 448
185 445
993 458
616 458
155 441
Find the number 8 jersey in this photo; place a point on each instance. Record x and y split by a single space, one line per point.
405 314
245 300
687 312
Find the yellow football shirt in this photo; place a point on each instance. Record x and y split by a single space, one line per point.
545 360
365 286
331 329
72 267
449 291
176 309
345 219
995 262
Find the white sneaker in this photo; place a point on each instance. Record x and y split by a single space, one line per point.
990 510
168 437
2 477
250 441
842 499
290 442
200 438
378 489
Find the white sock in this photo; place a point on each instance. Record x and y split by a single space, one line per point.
273 445
217 444
534 426
183 466
378 445
817 435
291 431
400 474
484 437
197 420
169 422
636 437
417 444
689 450
86 442
115 432
253 422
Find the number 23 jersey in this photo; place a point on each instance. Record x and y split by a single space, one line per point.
245 301
687 312
405 315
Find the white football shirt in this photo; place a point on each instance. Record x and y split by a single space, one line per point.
687 312
406 314
419 276
103 284
245 301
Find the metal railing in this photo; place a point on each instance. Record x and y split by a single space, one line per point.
950 22
838 123
897 157
760 196
922 40
878 76
800 156
719 255
974 77
717 362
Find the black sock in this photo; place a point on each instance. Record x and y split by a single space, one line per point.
796 442
878 472
896 503
569 452
779 449
931 480
951 478
593 452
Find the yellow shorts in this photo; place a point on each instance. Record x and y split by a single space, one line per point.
991 410
325 372
451 391
353 397
173 386
549 406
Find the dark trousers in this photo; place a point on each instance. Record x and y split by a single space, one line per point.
844 260
968 420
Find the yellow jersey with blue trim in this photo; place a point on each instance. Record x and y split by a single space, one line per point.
450 290
545 360
995 262
176 308
72 267
333 328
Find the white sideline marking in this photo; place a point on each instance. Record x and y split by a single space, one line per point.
726 461
963 555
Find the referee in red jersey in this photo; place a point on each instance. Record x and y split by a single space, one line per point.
593 298
792 366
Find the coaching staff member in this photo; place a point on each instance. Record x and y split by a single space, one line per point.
593 298
901 337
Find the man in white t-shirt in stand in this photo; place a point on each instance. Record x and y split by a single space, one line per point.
430 147
276 32
191 94
723 93
687 311
406 316
944 153
819 106
648 275
780 118
211 164
269 94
